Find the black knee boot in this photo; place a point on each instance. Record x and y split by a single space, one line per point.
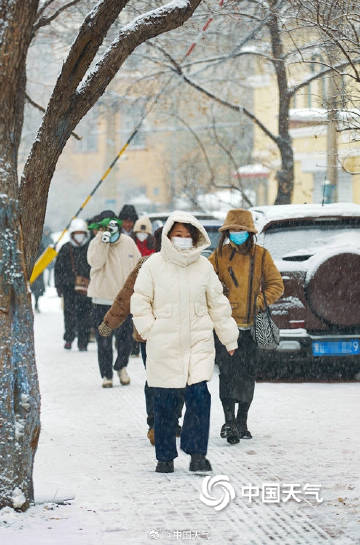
229 429
241 420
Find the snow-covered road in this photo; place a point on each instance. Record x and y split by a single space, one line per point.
93 446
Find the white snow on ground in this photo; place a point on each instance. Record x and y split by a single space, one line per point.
93 446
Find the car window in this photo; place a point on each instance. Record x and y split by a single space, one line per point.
285 240
214 236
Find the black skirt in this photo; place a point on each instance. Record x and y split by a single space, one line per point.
237 372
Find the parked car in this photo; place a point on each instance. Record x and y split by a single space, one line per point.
210 223
317 250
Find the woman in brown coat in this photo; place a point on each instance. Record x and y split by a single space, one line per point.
243 267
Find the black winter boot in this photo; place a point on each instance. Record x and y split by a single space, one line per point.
229 430
165 467
199 463
241 420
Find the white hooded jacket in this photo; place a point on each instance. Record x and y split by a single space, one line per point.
177 302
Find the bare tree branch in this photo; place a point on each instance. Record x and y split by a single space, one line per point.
38 107
201 146
138 31
335 68
241 109
43 21
43 8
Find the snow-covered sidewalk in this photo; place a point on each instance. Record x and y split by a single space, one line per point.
93 446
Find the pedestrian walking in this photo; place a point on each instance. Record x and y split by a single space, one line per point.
116 316
72 274
177 302
242 267
112 256
143 236
38 289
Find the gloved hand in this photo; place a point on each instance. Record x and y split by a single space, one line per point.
59 292
104 330
105 237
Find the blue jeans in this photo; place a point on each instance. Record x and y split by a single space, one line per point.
195 429
149 395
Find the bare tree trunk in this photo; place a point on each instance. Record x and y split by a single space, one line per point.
19 390
284 176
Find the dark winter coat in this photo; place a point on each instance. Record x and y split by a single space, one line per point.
71 261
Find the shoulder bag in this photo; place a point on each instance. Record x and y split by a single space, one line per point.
264 331
81 282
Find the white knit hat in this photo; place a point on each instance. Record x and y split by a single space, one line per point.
143 225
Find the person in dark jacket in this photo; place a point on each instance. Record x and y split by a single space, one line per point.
72 273
128 216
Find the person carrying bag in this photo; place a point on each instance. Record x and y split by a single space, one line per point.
72 273
249 277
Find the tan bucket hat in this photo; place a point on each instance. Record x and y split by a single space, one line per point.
240 220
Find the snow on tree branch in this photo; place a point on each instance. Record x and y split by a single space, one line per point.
141 29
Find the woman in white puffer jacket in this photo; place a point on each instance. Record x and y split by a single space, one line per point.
177 302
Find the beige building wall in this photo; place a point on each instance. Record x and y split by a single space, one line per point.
309 139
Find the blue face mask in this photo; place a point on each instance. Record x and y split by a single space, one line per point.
238 237
114 237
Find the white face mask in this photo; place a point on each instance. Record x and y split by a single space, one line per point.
182 243
142 236
79 238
